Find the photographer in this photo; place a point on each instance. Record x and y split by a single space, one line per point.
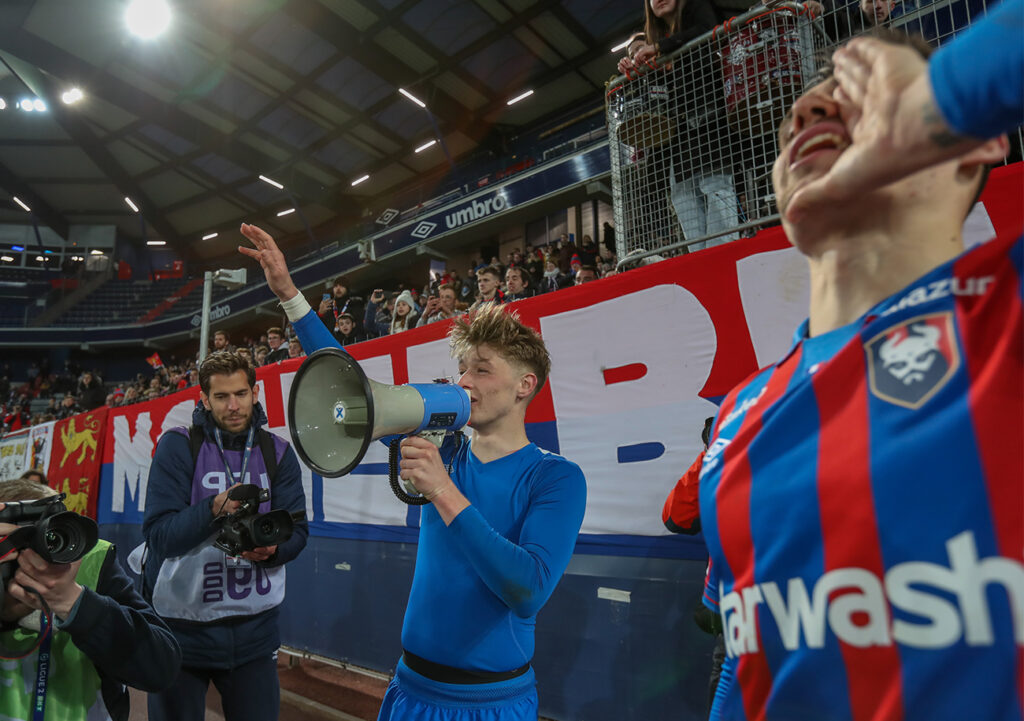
222 610
107 636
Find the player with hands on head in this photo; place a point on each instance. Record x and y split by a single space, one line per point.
912 113
101 638
871 477
496 536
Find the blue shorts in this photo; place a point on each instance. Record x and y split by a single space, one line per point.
414 697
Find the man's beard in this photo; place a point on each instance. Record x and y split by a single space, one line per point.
223 425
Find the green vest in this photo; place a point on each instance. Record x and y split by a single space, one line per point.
73 686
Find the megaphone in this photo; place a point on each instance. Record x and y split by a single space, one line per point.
335 412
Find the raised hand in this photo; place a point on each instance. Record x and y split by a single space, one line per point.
898 129
271 259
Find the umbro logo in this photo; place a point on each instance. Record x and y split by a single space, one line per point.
423 229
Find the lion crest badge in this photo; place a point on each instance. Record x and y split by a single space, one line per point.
910 362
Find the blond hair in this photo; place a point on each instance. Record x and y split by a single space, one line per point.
503 332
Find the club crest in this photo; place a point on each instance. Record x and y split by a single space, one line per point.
908 363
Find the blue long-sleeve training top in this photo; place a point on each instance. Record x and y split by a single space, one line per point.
480 581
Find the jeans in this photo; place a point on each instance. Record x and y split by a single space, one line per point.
705 204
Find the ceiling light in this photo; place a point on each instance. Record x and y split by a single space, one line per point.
357 181
425 146
276 184
6 258
517 98
26 105
624 44
147 19
412 97
209 236
25 207
156 242
3 104
41 259
95 252
77 257
39 106
286 212
70 97
131 205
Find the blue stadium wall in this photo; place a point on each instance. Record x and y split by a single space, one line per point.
596 659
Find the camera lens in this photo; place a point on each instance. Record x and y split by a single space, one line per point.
271 528
56 542
65 537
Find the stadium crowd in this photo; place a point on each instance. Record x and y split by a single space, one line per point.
48 395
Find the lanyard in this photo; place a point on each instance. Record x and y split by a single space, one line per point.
334 307
245 456
42 676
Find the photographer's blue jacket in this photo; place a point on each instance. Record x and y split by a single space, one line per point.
178 525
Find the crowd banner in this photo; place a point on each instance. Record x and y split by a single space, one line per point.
75 459
40 440
14 448
639 361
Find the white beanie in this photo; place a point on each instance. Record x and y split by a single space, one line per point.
404 297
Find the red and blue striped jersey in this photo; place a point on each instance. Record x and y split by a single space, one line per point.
862 503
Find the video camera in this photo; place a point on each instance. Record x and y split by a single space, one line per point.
245 529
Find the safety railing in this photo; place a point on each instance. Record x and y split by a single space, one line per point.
693 136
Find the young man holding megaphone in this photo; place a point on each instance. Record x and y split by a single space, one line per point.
496 536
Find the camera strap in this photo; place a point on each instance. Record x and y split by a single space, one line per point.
245 456
42 677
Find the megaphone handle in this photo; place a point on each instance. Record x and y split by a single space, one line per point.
396 487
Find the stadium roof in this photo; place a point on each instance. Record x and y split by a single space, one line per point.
303 92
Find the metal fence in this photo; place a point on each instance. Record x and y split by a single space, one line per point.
693 137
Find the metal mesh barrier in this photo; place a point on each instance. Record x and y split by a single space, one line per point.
694 136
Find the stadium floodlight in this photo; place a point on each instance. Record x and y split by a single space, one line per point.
26 105
357 181
131 204
147 19
95 252
519 97
286 212
267 180
425 146
412 97
209 236
6 258
22 204
3 104
42 258
39 106
70 97
156 242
